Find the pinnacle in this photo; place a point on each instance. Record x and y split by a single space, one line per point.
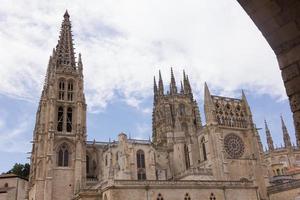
66 15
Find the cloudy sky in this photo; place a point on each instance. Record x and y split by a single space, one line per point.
123 45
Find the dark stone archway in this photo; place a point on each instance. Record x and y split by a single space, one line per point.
279 22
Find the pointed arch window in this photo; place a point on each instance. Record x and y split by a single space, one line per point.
61 90
60 118
69 119
187 196
203 149
70 90
160 197
141 167
187 157
63 155
212 196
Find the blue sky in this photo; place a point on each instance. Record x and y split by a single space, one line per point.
123 45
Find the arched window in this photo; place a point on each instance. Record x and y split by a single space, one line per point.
61 90
187 197
181 109
6 185
69 120
212 196
87 164
203 148
106 160
63 155
141 167
60 118
187 157
70 90
159 197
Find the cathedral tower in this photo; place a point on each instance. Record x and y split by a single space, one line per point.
176 122
58 151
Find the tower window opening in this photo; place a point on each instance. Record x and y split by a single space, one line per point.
141 167
61 89
60 119
70 91
87 164
63 155
203 149
69 120
187 157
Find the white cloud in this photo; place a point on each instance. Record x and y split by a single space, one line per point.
13 139
124 43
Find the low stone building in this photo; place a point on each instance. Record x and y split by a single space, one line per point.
13 187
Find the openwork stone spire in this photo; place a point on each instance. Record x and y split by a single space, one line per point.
269 137
160 85
173 88
286 136
64 49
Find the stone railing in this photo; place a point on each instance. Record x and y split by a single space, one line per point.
180 184
194 171
280 179
284 186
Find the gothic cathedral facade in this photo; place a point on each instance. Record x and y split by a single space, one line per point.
185 160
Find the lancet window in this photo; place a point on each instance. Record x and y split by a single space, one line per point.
61 90
60 119
187 157
69 119
87 164
203 149
63 155
70 90
141 167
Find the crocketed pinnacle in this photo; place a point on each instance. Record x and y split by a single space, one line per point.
286 136
173 88
64 49
269 137
160 85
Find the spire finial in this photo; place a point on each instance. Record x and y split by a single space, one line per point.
173 87
155 91
64 49
160 85
66 15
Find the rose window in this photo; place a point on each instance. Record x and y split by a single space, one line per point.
234 146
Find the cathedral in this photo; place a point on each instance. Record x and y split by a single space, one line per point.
186 159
